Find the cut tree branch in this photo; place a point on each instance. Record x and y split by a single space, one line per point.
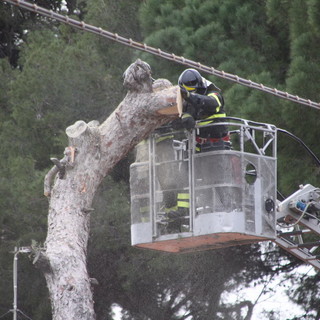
71 184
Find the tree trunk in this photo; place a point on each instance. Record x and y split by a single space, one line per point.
93 151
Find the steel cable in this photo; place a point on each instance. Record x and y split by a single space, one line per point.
158 52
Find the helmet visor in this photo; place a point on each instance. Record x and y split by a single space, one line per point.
188 88
191 83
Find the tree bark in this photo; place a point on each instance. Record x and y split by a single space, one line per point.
92 152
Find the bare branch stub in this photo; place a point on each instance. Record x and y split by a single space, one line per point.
59 168
137 77
48 180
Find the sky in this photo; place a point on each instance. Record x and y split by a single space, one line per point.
274 297
268 298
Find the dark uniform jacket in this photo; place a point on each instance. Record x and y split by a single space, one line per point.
207 104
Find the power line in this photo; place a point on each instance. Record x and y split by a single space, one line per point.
24 315
158 52
310 152
5 314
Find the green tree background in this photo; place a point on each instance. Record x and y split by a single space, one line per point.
52 75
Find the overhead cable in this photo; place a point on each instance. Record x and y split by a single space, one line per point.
5 314
310 152
158 52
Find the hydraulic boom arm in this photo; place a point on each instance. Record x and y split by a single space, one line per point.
298 220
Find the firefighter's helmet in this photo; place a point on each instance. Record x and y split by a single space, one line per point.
191 80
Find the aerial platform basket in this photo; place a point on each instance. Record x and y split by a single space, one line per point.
184 200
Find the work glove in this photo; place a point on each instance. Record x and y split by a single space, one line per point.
188 121
177 124
184 93
190 97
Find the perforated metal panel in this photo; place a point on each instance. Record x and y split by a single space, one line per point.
183 200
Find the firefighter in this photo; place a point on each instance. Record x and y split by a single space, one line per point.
204 103
202 100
